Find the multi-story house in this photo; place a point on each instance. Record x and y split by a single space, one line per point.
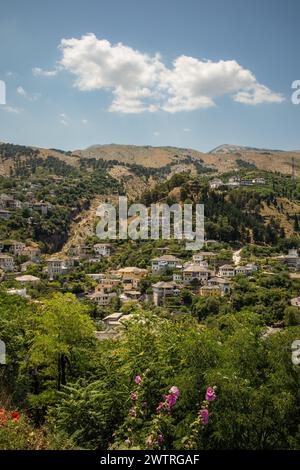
6 262
17 247
165 262
103 294
292 259
59 266
209 291
226 270
221 283
8 202
130 276
242 270
203 256
194 271
164 289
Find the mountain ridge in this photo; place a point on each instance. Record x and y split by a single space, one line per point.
222 159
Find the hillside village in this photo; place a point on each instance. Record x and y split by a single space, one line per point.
75 307
162 281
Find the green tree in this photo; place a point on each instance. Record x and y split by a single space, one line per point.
64 342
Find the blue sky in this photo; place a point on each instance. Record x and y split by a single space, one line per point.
188 73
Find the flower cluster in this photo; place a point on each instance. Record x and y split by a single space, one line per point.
134 397
169 400
190 441
7 417
156 438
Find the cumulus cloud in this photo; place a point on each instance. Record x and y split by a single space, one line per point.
142 82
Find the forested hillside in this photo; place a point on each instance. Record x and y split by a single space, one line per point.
142 344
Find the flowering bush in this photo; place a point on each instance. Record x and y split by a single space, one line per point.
145 426
158 424
8 418
191 440
17 433
161 423
13 430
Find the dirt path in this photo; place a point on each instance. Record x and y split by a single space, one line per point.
236 257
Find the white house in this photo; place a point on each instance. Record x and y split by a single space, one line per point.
6 262
194 271
59 266
164 289
242 270
199 258
165 262
221 283
17 247
226 271
215 183
112 320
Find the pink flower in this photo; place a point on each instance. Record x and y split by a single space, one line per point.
210 394
133 396
160 439
175 391
161 406
132 412
204 415
137 379
171 400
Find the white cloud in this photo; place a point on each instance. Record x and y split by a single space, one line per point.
141 82
38 72
156 133
11 74
258 94
186 129
12 109
84 121
22 92
63 120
